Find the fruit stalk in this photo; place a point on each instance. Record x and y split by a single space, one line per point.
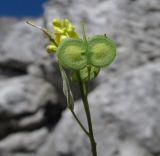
84 94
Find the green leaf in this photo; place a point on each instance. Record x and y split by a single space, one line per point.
66 89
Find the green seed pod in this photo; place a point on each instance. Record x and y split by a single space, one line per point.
86 74
72 54
101 51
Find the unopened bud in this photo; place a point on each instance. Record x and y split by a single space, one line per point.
51 49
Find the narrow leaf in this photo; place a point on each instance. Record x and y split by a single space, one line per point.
66 89
45 32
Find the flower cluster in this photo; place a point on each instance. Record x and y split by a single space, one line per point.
61 30
87 55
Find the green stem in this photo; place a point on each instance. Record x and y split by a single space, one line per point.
84 94
79 122
68 94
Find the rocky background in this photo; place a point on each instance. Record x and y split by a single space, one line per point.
125 101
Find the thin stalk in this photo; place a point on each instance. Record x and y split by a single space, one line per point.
47 34
79 122
68 93
84 94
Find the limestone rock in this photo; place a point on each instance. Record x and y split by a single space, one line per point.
27 104
132 24
24 95
23 45
125 115
125 110
26 141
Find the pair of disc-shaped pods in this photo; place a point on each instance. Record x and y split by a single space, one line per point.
98 51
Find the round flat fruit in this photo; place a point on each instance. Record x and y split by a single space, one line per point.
101 51
72 54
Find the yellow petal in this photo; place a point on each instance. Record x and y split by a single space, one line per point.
57 26
57 38
63 37
56 23
63 30
73 34
67 24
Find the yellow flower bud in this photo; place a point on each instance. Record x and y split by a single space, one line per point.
56 23
66 24
63 30
51 49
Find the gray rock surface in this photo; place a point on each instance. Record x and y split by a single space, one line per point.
125 115
29 101
133 24
26 141
127 110
29 106
24 95
5 26
25 114
22 46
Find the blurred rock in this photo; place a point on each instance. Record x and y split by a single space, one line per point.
125 110
24 95
125 115
26 107
26 141
133 24
5 26
22 46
